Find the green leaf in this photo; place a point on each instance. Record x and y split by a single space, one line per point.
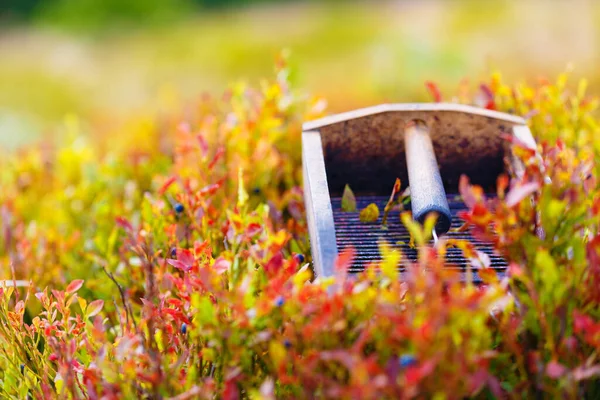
549 275
205 311
369 214
348 200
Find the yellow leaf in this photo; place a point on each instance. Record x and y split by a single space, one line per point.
414 229
82 303
242 194
555 209
369 214
302 276
428 226
581 88
208 354
390 259
439 396
159 339
277 353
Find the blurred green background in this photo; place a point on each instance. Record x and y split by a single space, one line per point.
106 60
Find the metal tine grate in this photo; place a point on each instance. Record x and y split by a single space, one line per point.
365 237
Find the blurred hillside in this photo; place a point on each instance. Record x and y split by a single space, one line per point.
101 13
353 53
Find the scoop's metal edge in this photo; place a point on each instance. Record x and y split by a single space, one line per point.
321 226
410 107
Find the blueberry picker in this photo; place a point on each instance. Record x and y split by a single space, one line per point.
428 146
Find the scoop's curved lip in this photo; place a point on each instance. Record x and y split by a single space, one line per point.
411 107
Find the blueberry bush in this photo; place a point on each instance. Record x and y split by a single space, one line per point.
171 260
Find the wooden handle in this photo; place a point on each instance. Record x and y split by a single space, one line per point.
427 192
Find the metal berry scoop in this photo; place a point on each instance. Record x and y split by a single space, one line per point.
428 146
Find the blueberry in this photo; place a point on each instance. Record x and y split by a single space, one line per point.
287 343
279 301
299 258
178 208
256 190
184 328
406 360
173 252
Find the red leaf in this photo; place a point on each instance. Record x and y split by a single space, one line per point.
201 248
489 97
203 144
501 185
175 302
389 205
94 308
593 252
274 264
166 185
582 373
477 380
176 314
253 229
211 189
179 265
471 195
495 387
480 216
518 193
396 189
74 286
123 223
186 257
220 152
412 376
60 296
555 370
487 91
231 391
515 270
434 90
344 261
596 206
221 265
582 322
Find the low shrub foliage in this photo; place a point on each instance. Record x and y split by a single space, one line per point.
170 260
